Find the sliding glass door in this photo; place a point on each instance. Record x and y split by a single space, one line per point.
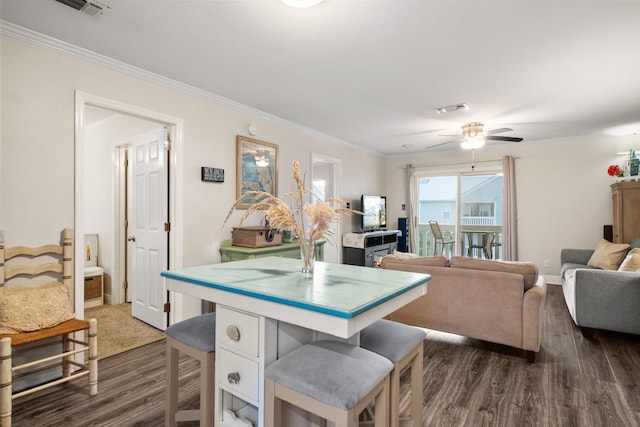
467 208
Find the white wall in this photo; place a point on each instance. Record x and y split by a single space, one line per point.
564 197
37 173
563 191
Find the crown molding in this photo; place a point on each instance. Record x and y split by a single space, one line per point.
13 30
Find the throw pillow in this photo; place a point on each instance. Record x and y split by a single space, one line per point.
30 308
632 261
403 255
607 255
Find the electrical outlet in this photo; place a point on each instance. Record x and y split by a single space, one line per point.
547 263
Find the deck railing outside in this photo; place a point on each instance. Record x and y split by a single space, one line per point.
425 240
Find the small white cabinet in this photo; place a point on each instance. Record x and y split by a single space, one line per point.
93 286
239 365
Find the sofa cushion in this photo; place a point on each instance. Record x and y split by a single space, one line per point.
607 255
632 261
29 308
568 267
635 243
528 270
432 261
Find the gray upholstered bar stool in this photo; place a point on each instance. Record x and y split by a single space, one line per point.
402 345
333 380
195 337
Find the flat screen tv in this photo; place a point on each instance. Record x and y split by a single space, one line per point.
375 212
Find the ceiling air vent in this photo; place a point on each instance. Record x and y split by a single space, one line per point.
92 8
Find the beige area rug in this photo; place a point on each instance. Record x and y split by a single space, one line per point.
119 331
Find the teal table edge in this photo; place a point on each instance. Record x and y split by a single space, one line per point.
174 275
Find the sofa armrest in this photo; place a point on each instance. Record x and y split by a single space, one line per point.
607 299
532 315
575 256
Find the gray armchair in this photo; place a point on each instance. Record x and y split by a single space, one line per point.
599 299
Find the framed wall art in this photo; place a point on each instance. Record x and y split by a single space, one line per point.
257 168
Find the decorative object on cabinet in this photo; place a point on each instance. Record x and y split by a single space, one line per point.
230 252
310 221
626 210
257 169
256 237
615 171
29 272
634 164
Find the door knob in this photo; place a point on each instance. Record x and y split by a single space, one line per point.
131 238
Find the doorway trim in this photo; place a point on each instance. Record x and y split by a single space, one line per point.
176 129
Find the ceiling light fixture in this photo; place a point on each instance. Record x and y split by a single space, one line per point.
301 3
449 108
473 135
472 144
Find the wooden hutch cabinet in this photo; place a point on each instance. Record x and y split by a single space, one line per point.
626 211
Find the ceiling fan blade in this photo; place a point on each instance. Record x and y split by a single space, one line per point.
503 138
495 131
442 143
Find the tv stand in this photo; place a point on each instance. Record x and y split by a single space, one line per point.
367 248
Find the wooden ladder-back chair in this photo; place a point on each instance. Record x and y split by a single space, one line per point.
48 307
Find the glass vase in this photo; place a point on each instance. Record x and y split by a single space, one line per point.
308 255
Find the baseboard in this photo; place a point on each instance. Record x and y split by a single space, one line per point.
553 280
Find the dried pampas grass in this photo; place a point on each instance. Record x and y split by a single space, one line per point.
309 222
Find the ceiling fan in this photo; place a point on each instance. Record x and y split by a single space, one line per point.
474 136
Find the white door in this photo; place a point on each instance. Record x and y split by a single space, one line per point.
147 236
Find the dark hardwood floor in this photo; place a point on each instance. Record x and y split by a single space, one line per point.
575 382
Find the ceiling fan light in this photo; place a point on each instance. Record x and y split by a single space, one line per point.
473 130
472 144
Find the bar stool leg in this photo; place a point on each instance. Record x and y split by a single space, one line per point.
417 387
207 381
171 397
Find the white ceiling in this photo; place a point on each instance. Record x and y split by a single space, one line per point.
370 72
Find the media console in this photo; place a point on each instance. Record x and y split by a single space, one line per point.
367 248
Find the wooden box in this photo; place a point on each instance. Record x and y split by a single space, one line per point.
92 287
256 237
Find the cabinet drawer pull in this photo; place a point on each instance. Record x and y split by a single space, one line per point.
233 333
233 378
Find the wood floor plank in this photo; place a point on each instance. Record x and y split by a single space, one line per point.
625 364
574 382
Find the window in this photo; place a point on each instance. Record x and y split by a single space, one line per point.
463 204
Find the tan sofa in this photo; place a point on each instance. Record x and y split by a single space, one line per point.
494 301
